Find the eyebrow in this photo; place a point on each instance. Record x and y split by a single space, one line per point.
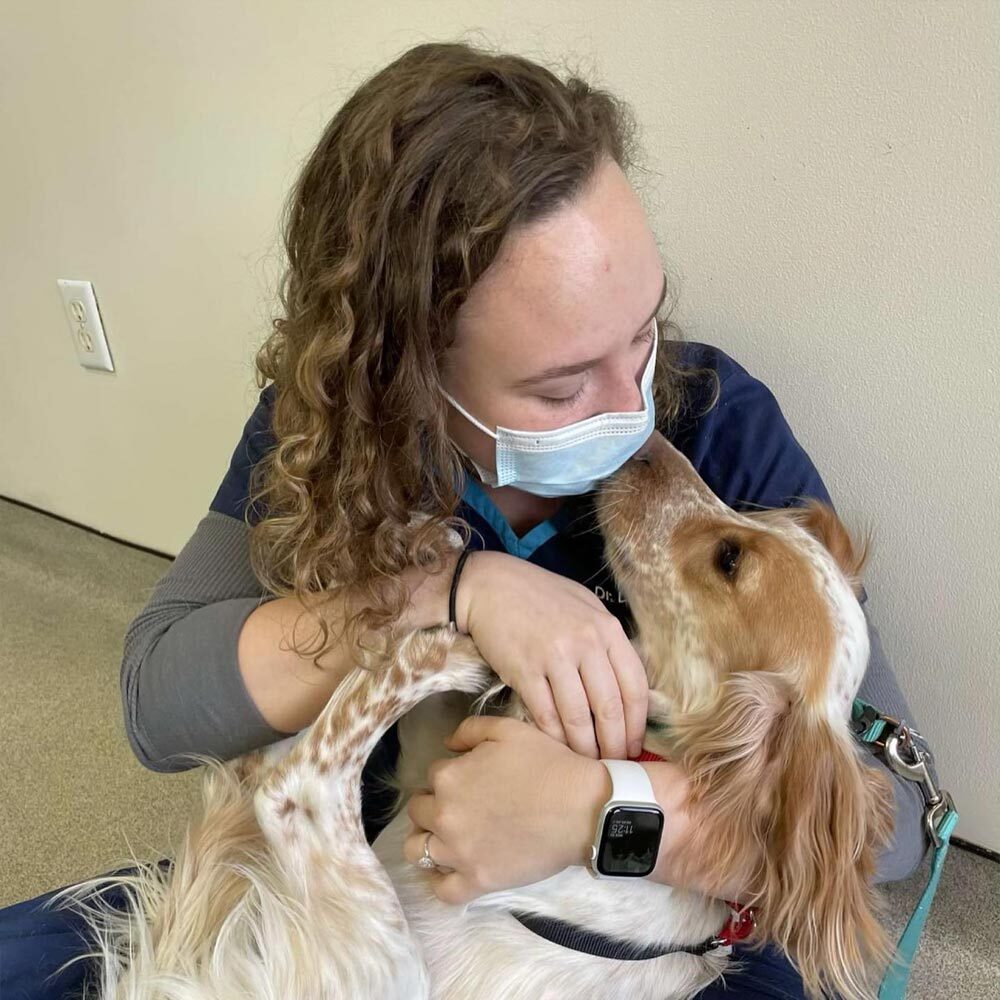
580 366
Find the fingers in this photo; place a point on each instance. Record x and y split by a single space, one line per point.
477 729
420 809
604 705
434 771
449 885
574 709
633 687
456 888
537 697
413 848
604 696
585 688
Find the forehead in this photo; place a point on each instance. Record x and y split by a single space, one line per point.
565 289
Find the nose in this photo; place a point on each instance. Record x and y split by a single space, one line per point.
642 456
628 399
629 396
666 463
670 473
654 451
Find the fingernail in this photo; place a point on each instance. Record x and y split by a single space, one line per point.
634 749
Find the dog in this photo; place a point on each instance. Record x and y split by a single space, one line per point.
754 644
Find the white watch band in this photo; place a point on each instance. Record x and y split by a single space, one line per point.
629 782
630 786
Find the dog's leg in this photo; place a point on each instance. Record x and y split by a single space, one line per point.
309 807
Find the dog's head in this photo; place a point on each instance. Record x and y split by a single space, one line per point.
754 639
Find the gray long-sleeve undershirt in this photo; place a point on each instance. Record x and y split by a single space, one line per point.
182 691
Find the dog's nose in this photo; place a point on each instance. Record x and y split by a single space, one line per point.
671 469
647 452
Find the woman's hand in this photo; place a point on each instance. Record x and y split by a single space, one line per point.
517 807
560 649
514 809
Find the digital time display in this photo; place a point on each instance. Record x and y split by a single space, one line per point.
630 842
622 827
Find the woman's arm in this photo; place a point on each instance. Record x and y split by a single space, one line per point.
288 690
180 684
181 687
517 806
207 667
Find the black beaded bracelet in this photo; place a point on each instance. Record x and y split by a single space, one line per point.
454 586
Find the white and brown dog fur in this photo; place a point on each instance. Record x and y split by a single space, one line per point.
754 645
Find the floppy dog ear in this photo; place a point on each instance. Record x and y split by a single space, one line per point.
780 797
820 520
725 752
832 815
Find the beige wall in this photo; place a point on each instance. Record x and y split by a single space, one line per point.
824 186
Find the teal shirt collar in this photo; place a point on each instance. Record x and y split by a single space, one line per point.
523 546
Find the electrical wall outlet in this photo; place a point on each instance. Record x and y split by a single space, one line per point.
85 324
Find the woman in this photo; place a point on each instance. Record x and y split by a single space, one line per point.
466 256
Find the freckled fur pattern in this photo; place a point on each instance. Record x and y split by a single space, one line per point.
759 671
275 895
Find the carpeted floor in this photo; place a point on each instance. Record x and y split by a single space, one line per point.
74 801
73 795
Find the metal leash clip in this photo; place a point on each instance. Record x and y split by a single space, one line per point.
908 761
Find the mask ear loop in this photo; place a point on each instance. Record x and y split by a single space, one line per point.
647 375
485 475
468 416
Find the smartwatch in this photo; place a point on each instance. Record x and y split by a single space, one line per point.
630 825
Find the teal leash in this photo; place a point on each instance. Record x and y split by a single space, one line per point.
894 742
894 984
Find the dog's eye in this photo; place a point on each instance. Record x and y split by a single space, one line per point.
727 557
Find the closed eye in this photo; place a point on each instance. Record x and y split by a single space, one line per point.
562 400
643 338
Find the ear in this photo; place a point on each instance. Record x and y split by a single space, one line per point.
820 520
832 814
782 801
725 752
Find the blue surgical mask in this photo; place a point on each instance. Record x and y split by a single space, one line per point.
573 459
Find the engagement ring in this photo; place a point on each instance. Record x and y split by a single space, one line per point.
426 861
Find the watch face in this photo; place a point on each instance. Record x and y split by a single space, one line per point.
630 841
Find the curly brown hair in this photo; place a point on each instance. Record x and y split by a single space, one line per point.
400 208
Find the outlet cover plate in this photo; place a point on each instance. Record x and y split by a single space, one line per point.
85 324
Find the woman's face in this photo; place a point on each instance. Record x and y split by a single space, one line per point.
559 328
